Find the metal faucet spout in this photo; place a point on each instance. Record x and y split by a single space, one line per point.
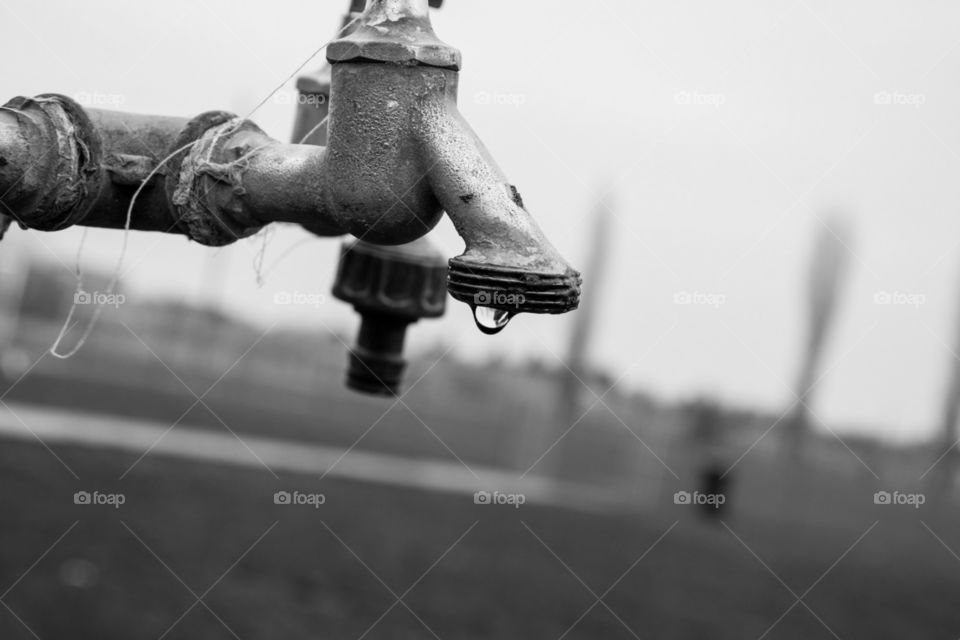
508 263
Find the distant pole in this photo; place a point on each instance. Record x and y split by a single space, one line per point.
544 434
943 472
571 391
828 269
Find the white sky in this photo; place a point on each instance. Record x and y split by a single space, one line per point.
721 195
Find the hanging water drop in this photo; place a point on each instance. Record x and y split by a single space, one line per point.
490 320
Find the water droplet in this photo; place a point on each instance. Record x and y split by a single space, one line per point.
490 320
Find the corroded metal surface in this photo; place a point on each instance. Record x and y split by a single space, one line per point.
48 162
377 173
220 179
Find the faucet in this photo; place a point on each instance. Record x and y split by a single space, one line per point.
394 116
398 155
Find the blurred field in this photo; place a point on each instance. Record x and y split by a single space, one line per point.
499 581
266 571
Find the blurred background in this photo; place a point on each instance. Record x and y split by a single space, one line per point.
746 431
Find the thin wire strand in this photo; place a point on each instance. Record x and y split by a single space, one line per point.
261 255
315 128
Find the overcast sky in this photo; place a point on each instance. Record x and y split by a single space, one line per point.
727 130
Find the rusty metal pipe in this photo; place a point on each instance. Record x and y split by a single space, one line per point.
83 166
13 166
16 157
281 183
247 179
132 146
39 149
224 179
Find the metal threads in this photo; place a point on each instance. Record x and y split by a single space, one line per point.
514 290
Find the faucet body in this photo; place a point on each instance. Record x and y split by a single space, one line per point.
378 176
399 154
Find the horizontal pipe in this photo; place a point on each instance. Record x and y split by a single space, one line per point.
133 147
212 178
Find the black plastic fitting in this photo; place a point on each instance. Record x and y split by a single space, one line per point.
391 287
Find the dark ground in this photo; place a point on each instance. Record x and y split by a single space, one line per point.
301 581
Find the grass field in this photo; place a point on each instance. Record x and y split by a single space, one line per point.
332 572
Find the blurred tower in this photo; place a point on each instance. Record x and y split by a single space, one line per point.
828 269
943 473
571 386
541 435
